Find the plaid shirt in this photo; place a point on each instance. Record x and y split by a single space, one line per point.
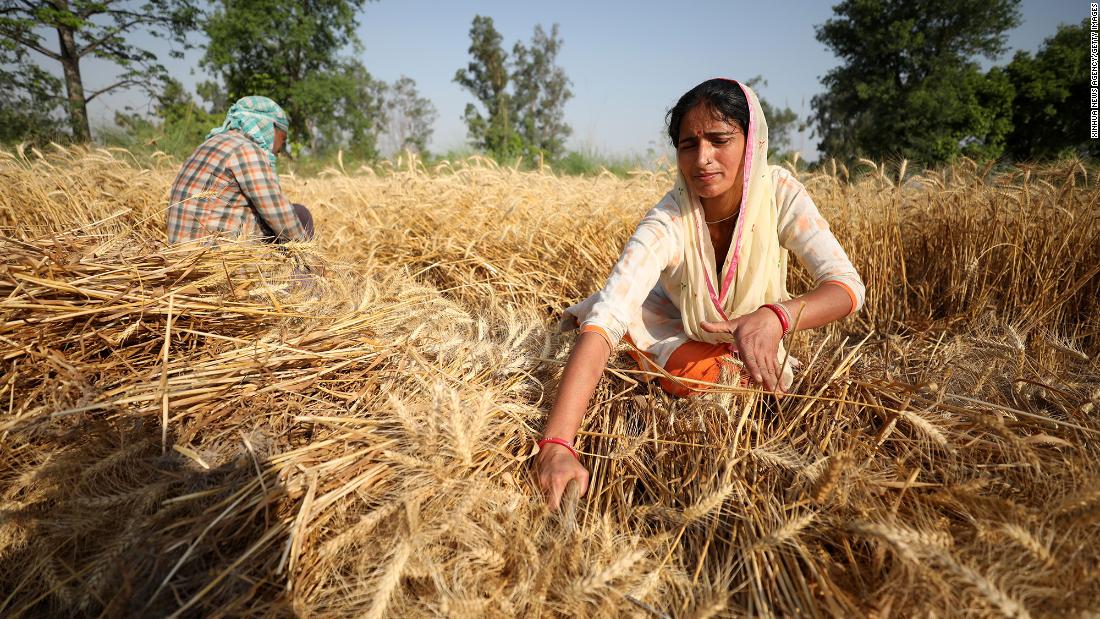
227 187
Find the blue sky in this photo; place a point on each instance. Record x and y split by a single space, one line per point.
628 61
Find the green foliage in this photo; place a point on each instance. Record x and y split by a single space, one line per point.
993 114
89 28
291 51
178 126
782 123
486 77
908 86
541 89
409 118
526 120
1050 110
957 111
589 162
30 100
176 108
346 108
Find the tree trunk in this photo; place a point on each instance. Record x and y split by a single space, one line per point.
78 108
310 133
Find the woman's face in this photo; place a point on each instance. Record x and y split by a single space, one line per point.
711 152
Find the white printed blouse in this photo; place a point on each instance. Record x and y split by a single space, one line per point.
638 297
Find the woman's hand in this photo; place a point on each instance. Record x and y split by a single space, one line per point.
756 336
555 468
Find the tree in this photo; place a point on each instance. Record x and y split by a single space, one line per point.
409 117
782 123
1050 110
30 100
908 85
100 29
541 90
486 77
528 118
290 51
345 110
177 124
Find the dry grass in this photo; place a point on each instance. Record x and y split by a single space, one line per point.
211 432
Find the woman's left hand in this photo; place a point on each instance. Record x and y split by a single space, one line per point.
757 337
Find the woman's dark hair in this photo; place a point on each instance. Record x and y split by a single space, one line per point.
725 97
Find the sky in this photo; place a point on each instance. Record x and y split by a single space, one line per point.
628 61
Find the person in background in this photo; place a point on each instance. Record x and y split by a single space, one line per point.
700 290
228 187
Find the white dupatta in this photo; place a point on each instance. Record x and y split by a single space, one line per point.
756 265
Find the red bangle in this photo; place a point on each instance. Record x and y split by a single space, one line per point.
560 441
781 315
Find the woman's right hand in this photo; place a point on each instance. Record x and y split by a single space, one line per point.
556 467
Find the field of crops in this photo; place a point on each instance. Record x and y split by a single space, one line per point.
344 427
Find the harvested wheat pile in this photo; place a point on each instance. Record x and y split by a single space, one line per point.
343 427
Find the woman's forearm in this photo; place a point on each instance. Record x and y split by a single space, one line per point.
578 382
820 306
586 364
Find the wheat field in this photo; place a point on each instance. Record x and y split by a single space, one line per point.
344 427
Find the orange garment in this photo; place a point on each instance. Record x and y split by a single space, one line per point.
692 360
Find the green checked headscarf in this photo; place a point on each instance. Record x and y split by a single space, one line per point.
257 118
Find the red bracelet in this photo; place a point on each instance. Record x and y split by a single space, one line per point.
560 441
781 314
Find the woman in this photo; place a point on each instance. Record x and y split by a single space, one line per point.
729 208
228 187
